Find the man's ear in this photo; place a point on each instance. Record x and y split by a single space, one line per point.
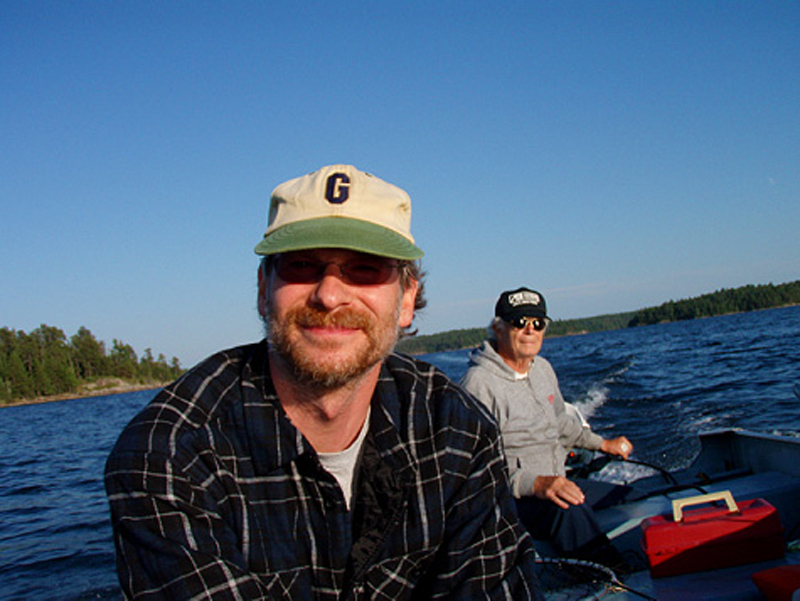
262 292
407 303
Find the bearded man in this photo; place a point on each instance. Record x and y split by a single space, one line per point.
318 463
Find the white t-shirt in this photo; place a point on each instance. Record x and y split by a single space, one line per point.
342 465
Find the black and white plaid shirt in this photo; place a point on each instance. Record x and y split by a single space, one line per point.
216 495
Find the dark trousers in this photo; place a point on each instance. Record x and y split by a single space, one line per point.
574 532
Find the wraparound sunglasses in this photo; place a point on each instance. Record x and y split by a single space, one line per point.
538 323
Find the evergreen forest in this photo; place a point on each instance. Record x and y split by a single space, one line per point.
45 363
721 302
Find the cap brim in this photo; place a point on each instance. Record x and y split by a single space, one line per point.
339 232
526 312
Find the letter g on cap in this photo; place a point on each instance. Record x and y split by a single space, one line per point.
337 188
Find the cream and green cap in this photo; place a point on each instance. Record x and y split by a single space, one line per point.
339 206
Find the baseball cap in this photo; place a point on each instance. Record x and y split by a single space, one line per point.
339 206
522 302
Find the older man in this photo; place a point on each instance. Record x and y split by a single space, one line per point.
317 463
539 429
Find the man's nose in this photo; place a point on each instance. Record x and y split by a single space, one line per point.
331 290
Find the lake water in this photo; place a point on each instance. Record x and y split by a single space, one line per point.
658 385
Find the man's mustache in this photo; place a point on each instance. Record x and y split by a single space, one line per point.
311 317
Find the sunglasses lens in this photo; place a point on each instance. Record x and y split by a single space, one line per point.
368 272
298 270
361 272
537 323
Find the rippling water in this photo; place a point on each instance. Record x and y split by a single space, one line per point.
658 385
55 537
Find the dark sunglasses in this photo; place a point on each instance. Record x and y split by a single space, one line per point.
538 323
364 271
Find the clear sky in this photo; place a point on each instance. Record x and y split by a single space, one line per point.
611 154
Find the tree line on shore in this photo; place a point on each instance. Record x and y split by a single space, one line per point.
721 302
45 363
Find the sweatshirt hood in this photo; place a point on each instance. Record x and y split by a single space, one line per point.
487 357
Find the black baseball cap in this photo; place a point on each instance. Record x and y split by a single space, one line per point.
522 302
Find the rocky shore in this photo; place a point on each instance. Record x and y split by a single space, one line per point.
104 386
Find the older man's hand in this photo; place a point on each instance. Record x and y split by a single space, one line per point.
559 490
620 446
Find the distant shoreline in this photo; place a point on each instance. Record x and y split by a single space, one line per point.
102 388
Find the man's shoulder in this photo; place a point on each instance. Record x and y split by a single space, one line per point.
484 371
476 369
408 373
422 383
485 362
245 362
201 395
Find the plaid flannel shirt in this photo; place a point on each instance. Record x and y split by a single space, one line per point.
214 494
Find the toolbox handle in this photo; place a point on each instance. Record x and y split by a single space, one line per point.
724 495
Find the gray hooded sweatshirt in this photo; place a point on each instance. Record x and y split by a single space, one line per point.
536 427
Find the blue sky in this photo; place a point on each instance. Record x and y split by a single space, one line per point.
613 155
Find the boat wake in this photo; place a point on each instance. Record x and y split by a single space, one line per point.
598 391
593 399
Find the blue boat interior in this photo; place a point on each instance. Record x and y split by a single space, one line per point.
749 465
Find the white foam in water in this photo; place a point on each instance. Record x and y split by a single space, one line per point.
620 472
705 423
595 398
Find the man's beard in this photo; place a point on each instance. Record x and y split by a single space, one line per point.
310 367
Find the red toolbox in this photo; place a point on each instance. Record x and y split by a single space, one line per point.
712 537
